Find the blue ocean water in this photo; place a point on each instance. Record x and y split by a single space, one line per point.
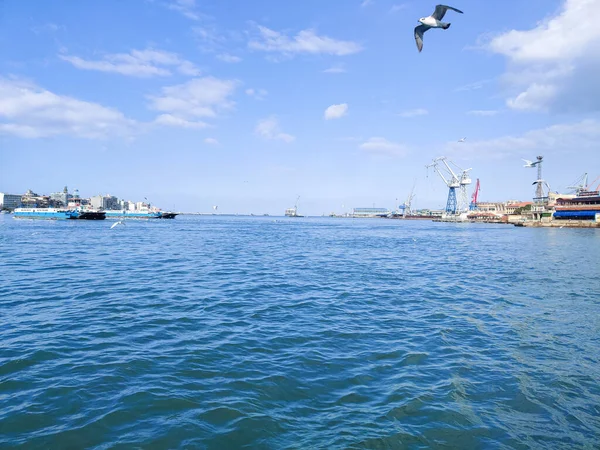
269 333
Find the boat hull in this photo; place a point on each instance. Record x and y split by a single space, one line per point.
132 215
44 213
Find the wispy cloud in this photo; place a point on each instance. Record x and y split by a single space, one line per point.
269 129
173 121
414 113
185 7
366 3
381 146
258 94
137 63
198 98
397 8
483 112
555 139
476 85
226 57
306 41
338 68
46 28
29 111
336 111
211 141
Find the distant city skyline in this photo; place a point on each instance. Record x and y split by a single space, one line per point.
248 105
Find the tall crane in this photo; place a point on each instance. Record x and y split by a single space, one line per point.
475 196
456 204
406 206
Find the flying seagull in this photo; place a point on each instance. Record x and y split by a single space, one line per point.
530 164
433 21
462 139
116 223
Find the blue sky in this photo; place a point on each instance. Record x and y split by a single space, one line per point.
248 105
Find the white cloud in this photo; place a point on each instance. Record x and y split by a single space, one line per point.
483 112
555 139
335 69
29 111
306 41
199 97
366 3
185 7
414 113
211 141
258 94
336 111
137 63
172 121
554 66
379 145
226 57
269 129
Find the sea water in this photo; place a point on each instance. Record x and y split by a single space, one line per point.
270 332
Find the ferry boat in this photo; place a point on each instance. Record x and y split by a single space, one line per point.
58 214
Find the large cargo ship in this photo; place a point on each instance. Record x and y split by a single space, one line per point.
58 214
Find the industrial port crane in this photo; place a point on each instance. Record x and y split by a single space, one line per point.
406 207
475 197
455 205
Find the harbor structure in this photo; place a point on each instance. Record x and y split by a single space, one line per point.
293 212
457 204
370 212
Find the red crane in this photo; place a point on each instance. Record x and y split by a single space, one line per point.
475 196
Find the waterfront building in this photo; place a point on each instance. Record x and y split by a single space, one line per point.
33 200
9 201
585 206
370 212
60 199
106 202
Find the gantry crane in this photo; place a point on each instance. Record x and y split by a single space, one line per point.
455 205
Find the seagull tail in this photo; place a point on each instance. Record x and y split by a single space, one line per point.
446 26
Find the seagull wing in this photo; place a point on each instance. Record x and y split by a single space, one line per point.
419 35
440 11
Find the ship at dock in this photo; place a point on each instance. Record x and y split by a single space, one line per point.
58 214
293 212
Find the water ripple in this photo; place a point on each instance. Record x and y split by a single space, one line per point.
313 333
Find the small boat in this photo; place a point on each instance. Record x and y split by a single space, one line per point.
168 215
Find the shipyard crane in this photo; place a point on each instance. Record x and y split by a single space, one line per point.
456 204
406 206
475 196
